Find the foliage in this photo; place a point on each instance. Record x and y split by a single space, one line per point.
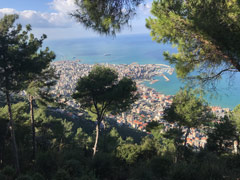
45 163
62 175
188 110
151 126
21 55
105 16
2 177
128 152
73 168
101 92
235 117
175 135
37 176
64 143
8 172
83 139
160 166
24 177
221 138
38 87
118 158
205 32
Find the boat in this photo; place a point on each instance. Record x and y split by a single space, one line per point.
107 54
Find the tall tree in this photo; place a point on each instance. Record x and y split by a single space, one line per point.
20 56
206 33
235 119
38 87
221 138
101 92
188 110
105 16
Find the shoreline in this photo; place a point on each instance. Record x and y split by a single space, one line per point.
140 73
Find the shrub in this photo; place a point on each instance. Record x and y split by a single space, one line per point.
62 175
9 172
73 167
3 177
46 164
38 176
24 177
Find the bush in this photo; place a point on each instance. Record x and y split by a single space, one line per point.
103 165
73 167
141 171
9 172
160 166
181 171
24 177
38 176
3 177
46 164
62 175
88 176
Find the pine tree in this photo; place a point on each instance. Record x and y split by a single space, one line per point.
206 34
101 92
20 56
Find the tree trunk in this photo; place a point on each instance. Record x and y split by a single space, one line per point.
2 147
33 128
187 133
104 124
11 127
1 153
96 139
237 145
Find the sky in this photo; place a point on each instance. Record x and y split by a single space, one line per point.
51 18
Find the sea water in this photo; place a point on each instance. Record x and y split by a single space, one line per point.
126 49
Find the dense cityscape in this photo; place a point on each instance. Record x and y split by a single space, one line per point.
151 104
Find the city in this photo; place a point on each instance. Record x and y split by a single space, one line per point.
149 107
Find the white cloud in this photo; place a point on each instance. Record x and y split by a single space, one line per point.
60 18
63 6
58 23
7 11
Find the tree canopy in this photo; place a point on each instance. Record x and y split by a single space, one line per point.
206 33
105 16
221 138
19 56
102 89
20 59
188 110
102 92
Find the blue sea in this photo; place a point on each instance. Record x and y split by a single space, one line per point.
126 49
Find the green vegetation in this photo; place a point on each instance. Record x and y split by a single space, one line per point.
20 59
61 144
188 110
105 16
221 138
64 151
205 32
38 92
101 92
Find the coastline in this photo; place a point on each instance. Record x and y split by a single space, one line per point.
141 50
172 86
